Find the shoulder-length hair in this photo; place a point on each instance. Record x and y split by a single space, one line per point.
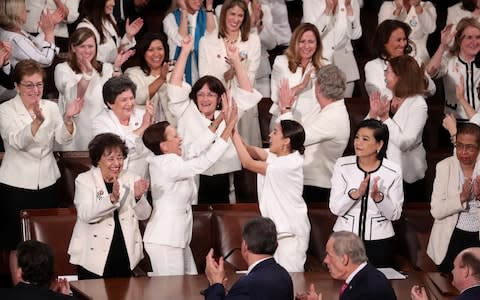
411 79
214 85
459 36
10 11
143 46
94 12
292 50
383 33
77 38
244 27
380 133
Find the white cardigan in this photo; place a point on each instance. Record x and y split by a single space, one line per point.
445 206
422 25
93 231
66 81
29 162
347 175
173 192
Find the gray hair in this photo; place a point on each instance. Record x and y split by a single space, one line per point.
331 81
349 244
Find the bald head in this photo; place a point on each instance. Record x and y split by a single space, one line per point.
470 258
466 269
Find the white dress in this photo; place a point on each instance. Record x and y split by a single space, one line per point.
280 198
66 81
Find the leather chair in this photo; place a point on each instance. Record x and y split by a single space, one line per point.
53 226
321 222
70 164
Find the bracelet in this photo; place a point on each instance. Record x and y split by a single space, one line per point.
213 125
209 10
117 70
87 76
6 64
453 138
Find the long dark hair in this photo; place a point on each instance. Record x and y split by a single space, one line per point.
383 33
94 12
145 43
295 132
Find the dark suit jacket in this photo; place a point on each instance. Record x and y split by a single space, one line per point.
23 291
267 281
6 80
369 284
470 294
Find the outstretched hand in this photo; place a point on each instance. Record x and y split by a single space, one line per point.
215 271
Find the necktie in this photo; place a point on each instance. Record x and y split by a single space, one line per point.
343 288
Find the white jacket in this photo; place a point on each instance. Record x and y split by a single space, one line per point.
347 175
173 192
29 162
92 235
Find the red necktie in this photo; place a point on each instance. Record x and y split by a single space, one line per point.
343 288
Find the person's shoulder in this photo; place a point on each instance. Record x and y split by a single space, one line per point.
347 160
391 165
470 294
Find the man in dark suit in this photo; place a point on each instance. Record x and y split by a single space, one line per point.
265 279
34 275
466 276
347 261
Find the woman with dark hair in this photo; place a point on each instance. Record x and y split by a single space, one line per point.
82 75
391 40
367 192
280 185
198 108
457 65
421 16
106 240
29 127
150 76
121 117
299 65
97 16
463 9
405 116
454 204
173 192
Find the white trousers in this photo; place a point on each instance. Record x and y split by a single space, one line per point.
168 260
292 253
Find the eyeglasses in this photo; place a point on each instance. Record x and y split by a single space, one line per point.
210 94
466 147
31 85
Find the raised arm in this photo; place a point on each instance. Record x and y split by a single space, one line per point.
179 69
240 71
447 35
248 162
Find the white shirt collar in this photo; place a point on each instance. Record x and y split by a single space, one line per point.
250 268
358 269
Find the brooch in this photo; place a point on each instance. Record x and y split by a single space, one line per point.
99 195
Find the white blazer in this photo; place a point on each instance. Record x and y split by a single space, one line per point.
405 146
108 51
445 206
92 235
456 13
29 162
283 32
159 99
173 192
336 32
212 53
66 81
422 25
107 121
347 175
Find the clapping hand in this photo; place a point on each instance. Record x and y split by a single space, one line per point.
37 111
131 29
74 107
286 95
140 187
466 193
310 295
214 271
376 195
5 52
115 195
123 56
450 124
362 189
187 43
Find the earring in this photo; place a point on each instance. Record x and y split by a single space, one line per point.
378 150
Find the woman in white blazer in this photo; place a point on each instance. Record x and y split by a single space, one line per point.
83 76
198 108
405 115
29 127
233 29
454 204
25 46
106 240
338 22
97 16
367 193
299 65
391 40
150 76
458 64
421 16
121 117
173 192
